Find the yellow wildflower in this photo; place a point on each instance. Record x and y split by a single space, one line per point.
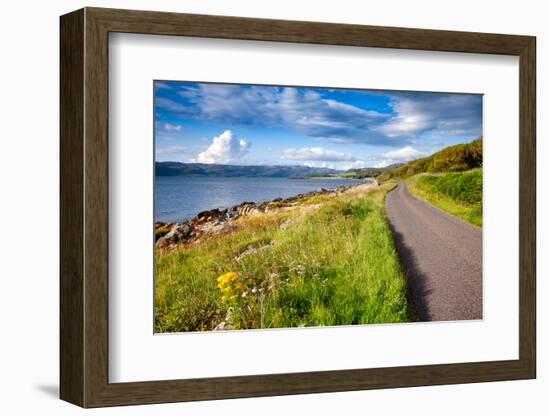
230 286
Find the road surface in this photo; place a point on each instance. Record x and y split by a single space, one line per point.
442 258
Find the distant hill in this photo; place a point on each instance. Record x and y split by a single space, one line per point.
214 170
361 173
456 158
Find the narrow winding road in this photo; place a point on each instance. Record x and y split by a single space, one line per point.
442 258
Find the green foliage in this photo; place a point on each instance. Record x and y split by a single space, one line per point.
335 265
465 187
456 158
459 193
363 173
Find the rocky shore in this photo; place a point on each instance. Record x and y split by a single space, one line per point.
220 221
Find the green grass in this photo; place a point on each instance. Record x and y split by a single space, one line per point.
458 193
331 264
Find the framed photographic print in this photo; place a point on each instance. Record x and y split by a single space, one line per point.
255 207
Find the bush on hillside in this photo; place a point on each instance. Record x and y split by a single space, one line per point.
456 158
466 187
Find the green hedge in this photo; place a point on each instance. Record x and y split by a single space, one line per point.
465 187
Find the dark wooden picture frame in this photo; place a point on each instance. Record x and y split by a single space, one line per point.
84 207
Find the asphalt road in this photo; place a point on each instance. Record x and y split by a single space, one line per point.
442 258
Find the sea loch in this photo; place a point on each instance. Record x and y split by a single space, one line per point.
178 198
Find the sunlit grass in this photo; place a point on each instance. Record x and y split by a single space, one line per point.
458 193
331 261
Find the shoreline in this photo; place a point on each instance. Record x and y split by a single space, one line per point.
328 178
179 198
169 235
311 262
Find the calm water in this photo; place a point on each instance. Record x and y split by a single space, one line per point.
179 198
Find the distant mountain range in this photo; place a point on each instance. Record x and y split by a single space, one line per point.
214 170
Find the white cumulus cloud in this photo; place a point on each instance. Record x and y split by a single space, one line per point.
358 164
225 148
398 156
383 163
404 154
317 154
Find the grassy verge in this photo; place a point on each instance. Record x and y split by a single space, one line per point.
330 261
458 193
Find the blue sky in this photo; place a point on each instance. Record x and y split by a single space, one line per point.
341 129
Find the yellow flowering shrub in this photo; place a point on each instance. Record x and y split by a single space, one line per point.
230 287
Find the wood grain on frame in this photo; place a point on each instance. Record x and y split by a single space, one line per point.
84 207
72 214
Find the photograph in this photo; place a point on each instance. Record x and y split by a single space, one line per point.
286 206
